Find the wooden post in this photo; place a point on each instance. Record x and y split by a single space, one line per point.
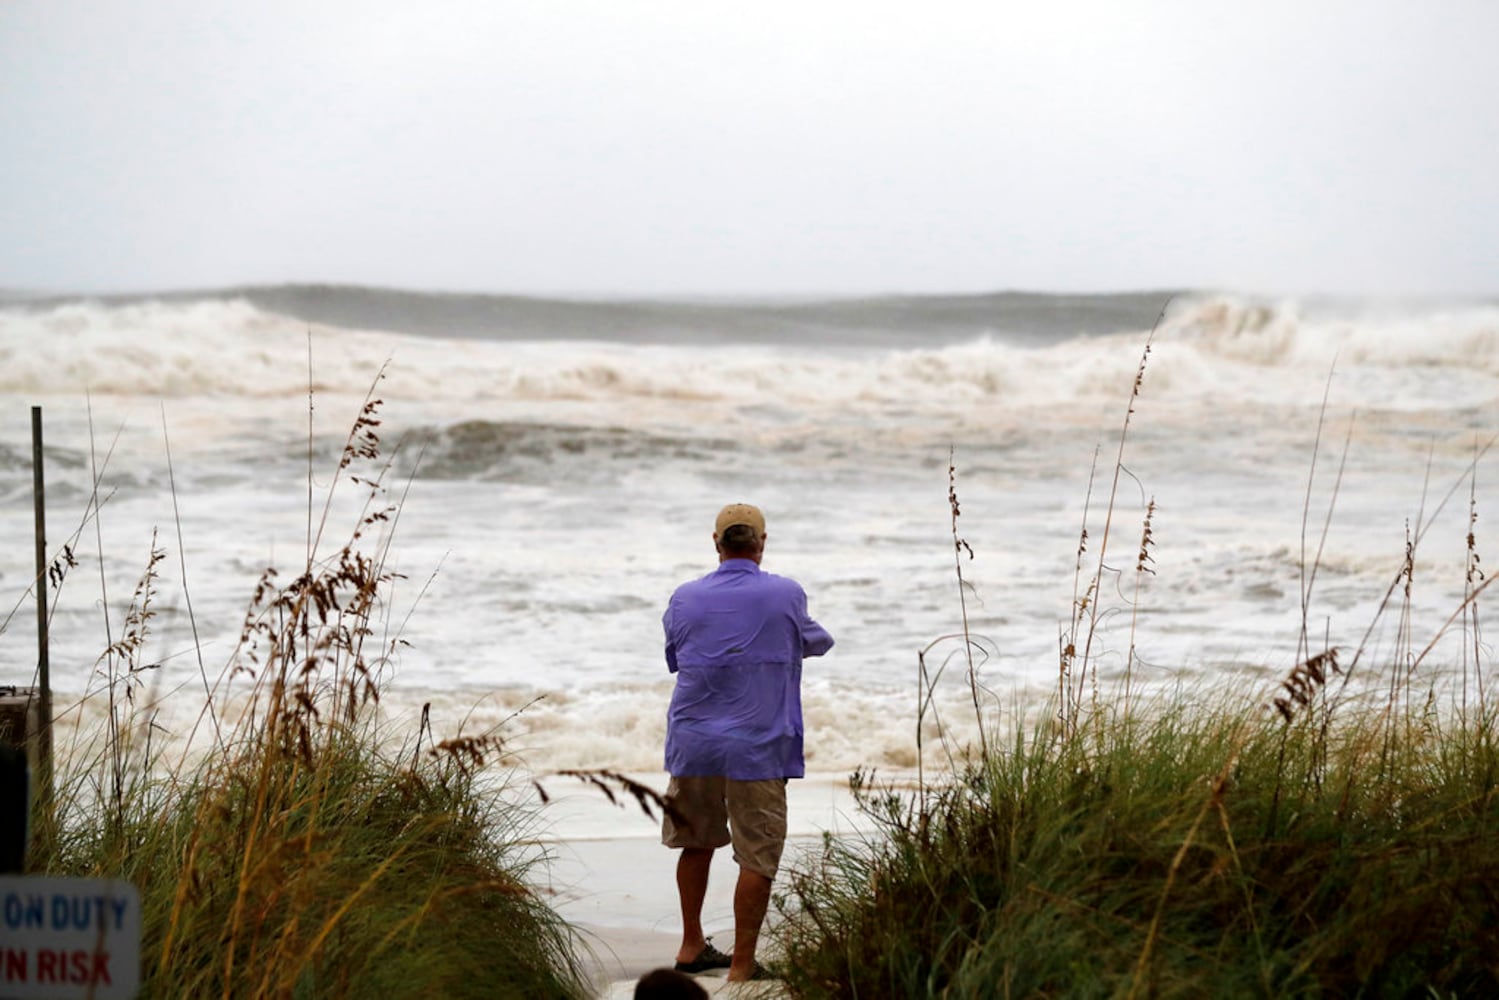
44 668
15 809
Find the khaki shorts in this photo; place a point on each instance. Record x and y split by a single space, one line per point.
711 807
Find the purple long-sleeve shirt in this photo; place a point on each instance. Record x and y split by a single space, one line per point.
735 639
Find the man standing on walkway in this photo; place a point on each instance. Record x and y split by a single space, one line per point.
735 639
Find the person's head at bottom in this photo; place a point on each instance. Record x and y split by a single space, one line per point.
668 984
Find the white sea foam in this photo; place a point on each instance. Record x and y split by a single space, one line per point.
1211 347
560 489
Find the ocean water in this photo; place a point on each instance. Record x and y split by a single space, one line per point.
559 463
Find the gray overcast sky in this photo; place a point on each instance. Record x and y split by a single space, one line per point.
655 147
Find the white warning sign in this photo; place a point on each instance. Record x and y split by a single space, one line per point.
69 937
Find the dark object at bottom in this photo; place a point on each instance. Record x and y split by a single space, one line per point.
668 984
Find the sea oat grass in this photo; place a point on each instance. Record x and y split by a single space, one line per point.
1331 839
305 851
1194 851
358 876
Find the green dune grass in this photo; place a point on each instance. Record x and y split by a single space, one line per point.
301 850
1201 849
1335 836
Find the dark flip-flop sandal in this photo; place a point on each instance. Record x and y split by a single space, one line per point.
709 958
761 972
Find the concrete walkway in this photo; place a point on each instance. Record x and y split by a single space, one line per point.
613 881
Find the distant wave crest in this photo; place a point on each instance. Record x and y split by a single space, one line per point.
209 347
1290 334
1216 346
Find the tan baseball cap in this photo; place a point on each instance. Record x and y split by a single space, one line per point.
739 513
